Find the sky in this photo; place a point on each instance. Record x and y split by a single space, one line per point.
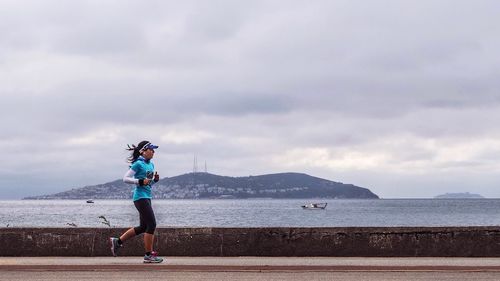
401 97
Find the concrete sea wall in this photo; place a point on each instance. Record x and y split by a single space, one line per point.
272 241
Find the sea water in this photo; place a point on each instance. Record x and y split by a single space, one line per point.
253 213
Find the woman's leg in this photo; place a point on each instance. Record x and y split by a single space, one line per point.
131 232
128 234
116 243
148 242
140 206
148 222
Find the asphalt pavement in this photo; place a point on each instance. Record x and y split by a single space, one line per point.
249 268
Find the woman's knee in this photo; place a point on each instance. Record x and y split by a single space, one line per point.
151 227
139 229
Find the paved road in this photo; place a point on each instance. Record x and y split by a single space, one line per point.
249 268
251 276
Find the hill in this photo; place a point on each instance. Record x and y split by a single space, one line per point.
205 185
465 195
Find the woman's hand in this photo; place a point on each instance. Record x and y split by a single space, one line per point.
143 182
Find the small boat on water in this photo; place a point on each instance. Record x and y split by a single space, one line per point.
90 201
314 206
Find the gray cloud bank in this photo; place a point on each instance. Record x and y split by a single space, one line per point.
401 97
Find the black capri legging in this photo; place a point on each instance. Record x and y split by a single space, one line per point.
147 217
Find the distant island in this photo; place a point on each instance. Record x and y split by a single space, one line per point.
465 195
210 186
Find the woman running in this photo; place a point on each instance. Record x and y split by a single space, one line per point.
142 174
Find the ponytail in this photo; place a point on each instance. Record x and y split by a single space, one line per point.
136 151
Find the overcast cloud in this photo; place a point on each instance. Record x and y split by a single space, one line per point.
401 97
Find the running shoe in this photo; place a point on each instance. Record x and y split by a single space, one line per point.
153 258
114 246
